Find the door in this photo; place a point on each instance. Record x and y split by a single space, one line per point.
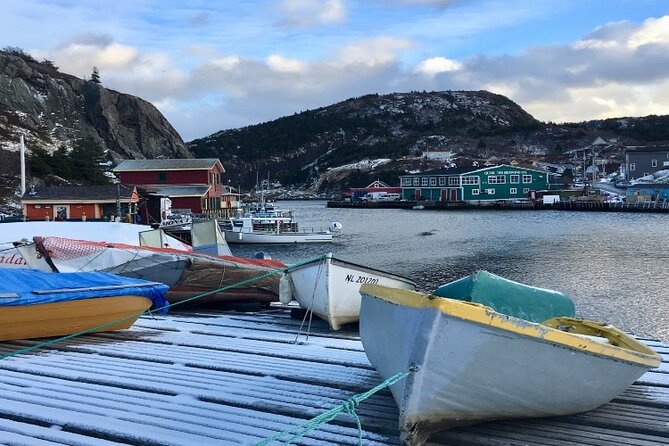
444 195
416 194
60 213
454 195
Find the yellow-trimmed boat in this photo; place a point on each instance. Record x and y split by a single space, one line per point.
34 304
473 364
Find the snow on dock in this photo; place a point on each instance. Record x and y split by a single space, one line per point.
219 378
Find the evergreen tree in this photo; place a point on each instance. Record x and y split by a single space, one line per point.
95 76
86 156
39 162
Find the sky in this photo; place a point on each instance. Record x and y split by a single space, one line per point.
215 65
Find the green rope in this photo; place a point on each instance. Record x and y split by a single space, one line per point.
349 407
135 316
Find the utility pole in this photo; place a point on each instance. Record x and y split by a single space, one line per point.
118 201
23 167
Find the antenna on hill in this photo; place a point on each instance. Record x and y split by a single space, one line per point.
23 167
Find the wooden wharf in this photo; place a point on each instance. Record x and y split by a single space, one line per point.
661 207
218 377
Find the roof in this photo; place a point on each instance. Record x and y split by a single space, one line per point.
444 171
217 378
177 191
471 169
647 149
649 185
168 164
107 192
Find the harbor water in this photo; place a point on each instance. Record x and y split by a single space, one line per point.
613 265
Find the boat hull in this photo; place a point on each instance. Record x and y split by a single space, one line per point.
68 317
187 274
277 238
330 287
472 371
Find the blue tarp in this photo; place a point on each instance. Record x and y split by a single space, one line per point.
37 287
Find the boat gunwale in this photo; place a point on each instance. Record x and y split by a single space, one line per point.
345 263
486 316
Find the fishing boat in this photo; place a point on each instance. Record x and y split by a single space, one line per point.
35 304
472 364
330 287
227 279
509 297
262 223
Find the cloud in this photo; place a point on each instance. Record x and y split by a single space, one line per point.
281 64
571 82
201 19
379 50
436 65
308 13
86 51
436 3
620 68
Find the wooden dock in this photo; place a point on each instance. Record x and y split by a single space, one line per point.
574 205
218 378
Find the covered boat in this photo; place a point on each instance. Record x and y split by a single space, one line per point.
35 304
508 297
330 287
473 364
186 273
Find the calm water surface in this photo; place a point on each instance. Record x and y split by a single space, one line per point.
614 265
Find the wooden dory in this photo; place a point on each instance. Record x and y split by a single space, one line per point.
474 364
330 287
34 304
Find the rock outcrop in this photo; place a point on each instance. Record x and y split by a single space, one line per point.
52 108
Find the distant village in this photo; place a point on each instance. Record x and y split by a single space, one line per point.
148 190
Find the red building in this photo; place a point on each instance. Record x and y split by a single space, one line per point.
356 193
191 184
78 202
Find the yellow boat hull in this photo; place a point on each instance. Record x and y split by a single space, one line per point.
68 317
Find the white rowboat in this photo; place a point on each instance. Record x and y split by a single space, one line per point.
474 364
330 287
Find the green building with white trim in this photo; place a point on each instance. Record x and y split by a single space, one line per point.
493 183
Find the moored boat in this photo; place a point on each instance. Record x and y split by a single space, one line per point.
34 304
330 287
186 273
509 297
262 223
473 364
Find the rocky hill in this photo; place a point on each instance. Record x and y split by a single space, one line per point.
53 109
361 139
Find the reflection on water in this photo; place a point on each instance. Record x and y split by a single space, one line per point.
613 265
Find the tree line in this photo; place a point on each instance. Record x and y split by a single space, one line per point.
80 163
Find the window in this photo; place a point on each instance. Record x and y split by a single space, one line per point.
490 191
515 179
653 163
406 181
416 181
632 166
496 179
433 181
442 181
470 180
526 190
453 181
423 181
645 174
162 177
527 179
513 190
475 191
